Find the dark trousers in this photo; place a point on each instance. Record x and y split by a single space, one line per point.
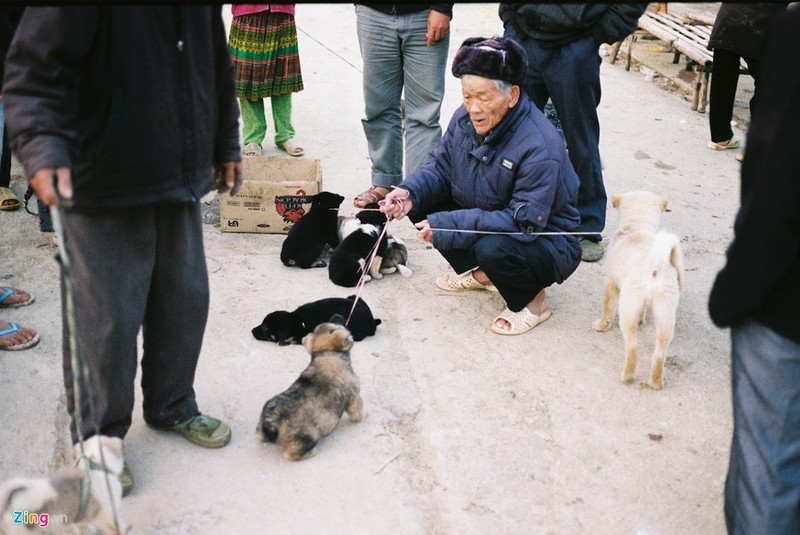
5 162
722 92
569 75
519 270
136 268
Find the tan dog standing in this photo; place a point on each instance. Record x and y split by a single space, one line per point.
644 268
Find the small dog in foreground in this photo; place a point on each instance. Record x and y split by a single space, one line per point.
81 499
313 405
644 269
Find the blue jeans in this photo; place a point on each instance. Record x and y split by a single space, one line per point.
762 490
569 75
398 63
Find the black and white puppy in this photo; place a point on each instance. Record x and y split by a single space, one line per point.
396 257
286 327
350 256
306 240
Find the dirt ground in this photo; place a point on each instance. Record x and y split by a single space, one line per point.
467 431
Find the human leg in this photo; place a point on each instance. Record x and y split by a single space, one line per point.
762 489
721 94
254 123
111 257
572 76
284 130
424 70
379 43
521 273
175 316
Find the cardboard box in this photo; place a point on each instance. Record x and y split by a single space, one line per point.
276 192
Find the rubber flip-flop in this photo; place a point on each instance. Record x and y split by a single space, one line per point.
14 328
7 291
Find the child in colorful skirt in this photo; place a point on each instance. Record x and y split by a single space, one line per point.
263 44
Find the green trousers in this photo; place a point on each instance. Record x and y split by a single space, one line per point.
254 119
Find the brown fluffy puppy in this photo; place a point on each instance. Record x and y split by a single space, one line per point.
313 405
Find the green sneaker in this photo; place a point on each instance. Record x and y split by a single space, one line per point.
126 479
591 251
203 431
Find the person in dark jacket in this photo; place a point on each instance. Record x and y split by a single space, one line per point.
739 32
404 50
757 295
9 18
497 197
124 117
562 43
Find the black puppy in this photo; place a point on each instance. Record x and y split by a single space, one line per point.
350 256
306 240
287 327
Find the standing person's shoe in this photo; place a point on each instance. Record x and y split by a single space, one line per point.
591 251
732 143
203 431
8 200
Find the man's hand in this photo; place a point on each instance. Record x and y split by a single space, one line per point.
438 27
227 177
45 181
396 204
425 232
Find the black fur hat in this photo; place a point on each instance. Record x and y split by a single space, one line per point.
498 58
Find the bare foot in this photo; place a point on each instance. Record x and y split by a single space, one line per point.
481 277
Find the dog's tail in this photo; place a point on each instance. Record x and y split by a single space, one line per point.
666 259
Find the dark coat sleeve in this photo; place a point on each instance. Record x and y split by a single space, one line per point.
41 81
763 261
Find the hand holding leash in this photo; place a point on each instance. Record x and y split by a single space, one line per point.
396 204
53 185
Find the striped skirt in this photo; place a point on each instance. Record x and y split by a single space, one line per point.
265 55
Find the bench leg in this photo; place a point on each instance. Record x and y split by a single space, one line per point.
615 51
631 39
703 92
697 85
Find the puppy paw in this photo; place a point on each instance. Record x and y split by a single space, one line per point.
358 417
601 325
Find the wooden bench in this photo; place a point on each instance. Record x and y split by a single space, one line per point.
687 36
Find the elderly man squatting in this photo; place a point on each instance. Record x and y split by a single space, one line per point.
497 198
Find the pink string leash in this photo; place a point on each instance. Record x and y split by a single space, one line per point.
371 257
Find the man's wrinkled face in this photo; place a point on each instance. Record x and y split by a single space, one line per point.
486 103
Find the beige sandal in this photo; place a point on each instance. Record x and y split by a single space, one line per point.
519 322
461 283
8 200
252 149
291 149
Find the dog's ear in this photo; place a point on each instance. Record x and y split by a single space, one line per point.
664 204
337 318
615 201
